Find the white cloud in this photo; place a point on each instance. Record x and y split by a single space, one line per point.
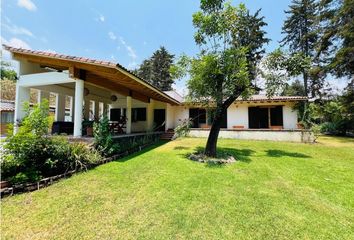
112 36
145 43
101 18
28 4
16 30
130 49
16 42
131 52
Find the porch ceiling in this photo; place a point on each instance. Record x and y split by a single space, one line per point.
108 75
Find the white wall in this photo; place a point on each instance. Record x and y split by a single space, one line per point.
289 117
272 135
237 115
181 114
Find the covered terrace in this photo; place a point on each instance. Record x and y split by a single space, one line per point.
94 88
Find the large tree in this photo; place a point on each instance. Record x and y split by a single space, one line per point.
337 37
155 70
301 35
231 40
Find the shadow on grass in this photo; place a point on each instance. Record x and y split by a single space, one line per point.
242 155
147 149
281 153
181 148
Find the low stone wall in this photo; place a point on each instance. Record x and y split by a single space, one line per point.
259 134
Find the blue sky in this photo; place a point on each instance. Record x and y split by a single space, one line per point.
120 31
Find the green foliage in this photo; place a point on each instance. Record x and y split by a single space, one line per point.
231 40
6 72
336 43
301 35
333 116
279 67
183 129
31 154
103 138
296 88
156 69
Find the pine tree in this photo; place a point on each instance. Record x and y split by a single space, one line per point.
300 31
156 69
337 36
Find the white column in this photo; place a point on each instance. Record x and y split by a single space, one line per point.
42 95
72 108
87 109
97 110
150 116
169 117
129 114
79 99
60 107
105 111
22 96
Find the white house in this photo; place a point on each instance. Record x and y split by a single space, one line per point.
98 87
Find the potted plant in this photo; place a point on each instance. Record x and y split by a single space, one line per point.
87 128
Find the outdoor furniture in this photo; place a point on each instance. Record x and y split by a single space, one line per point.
118 126
60 127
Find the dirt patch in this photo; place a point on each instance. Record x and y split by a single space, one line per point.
202 158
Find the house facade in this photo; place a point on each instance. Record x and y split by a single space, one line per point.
95 87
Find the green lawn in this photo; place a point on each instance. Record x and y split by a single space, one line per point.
275 191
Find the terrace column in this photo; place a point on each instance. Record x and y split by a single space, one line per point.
22 95
87 109
129 114
72 108
169 117
97 110
105 110
79 99
60 107
42 95
150 115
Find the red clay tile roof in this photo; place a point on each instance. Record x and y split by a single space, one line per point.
7 105
62 56
83 60
273 98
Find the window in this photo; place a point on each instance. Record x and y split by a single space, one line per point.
138 114
114 114
265 117
198 116
276 116
211 114
7 117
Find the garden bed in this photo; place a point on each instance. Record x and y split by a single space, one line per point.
45 182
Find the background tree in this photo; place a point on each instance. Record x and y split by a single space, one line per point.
301 34
231 40
337 38
7 72
156 69
296 88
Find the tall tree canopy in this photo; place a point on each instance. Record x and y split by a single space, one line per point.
231 40
156 69
301 34
337 36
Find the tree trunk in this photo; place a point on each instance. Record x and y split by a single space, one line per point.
210 148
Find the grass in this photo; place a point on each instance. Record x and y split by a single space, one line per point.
276 190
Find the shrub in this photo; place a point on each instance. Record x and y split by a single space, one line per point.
183 129
103 138
31 154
